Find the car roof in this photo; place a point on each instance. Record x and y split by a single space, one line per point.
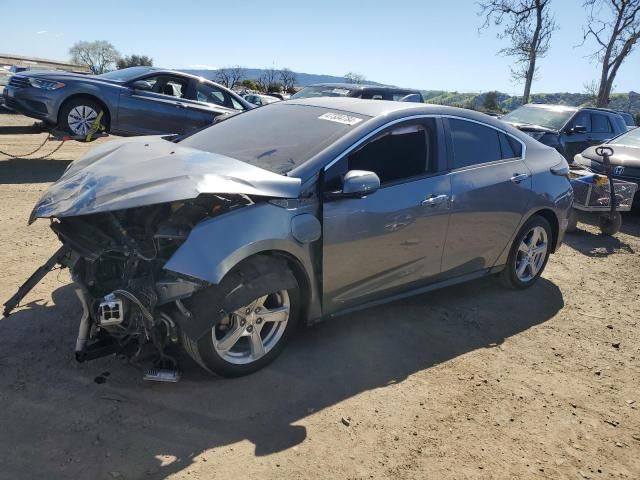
377 108
568 108
551 106
362 86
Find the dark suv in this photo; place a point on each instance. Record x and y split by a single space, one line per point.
570 130
368 92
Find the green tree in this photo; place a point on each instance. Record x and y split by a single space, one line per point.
355 78
100 56
491 101
134 61
250 84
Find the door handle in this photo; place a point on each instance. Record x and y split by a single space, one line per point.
435 200
519 177
180 105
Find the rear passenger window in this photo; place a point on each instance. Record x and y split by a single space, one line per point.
473 143
600 123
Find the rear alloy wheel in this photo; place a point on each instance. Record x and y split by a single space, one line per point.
77 116
529 254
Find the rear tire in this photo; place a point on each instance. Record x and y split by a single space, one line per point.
77 116
252 336
529 254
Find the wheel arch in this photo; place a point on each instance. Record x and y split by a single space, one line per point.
551 217
94 98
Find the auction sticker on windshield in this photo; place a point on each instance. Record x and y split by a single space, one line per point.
340 118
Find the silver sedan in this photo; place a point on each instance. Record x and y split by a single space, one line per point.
225 242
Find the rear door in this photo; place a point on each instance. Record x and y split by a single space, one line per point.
204 102
491 191
156 112
392 239
601 129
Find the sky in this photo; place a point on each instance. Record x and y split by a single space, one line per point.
426 44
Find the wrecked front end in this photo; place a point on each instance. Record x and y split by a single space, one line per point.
121 223
117 260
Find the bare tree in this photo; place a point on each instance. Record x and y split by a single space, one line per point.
615 26
355 78
288 79
528 25
230 76
591 89
269 79
100 56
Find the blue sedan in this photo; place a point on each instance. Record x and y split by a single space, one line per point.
134 101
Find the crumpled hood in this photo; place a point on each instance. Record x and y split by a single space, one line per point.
622 155
143 171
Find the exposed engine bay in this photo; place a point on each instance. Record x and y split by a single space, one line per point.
116 260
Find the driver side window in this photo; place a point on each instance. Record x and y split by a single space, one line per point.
582 119
397 154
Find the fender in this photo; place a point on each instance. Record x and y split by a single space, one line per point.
216 245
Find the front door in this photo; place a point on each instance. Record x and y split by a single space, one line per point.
577 142
159 111
491 191
393 238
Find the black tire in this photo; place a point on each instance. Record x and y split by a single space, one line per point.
610 225
572 219
242 281
508 276
63 116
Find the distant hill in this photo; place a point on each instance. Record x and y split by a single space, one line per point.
302 79
628 102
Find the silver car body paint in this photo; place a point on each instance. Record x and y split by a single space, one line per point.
149 170
373 248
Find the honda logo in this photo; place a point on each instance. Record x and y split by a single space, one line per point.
618 170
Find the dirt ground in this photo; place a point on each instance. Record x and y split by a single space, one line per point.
473 381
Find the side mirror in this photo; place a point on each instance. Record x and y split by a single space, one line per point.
578 129
141 85
358 184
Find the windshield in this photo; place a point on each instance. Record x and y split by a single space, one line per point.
550 117
322 91
125 74
631 139
278 137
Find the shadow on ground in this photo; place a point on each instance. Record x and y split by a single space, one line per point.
21 129
600 245
24 170
58 423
